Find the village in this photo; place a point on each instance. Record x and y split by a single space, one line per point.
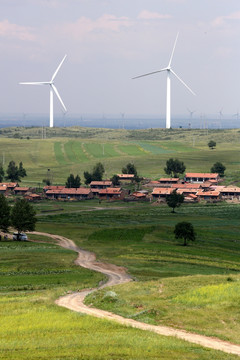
195 187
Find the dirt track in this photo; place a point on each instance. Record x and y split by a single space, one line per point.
117 275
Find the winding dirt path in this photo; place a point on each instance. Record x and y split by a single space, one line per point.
117 275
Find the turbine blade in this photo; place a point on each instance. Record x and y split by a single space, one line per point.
59 97
35 83
54 75
170 61
182 82
151 73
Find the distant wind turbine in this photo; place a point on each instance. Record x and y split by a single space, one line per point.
191 112
169 71
52 89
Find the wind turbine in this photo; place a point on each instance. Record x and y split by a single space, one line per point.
169 71
53 89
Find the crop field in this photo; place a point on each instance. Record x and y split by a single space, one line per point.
147 149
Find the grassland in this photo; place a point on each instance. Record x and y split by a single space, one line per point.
32 327
78 149
194 288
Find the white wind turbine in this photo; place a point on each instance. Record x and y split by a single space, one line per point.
168 98
52 89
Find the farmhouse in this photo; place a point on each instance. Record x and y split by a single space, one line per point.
230 192
111 193
9 185
161 192
168 181
20 190
201 177
208 195
70 194
53 187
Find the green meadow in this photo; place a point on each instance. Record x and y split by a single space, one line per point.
77 149
195 288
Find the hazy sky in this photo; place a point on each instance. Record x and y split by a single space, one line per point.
108 42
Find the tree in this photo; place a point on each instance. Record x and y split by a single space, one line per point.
184 230
73 182
4 213
23 216
212 144
175 200
12 172
88 177
21 171
218 168
115 180
129 169
174 167
1 173
96 175
98 172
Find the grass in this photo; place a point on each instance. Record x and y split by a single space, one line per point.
32 327
207 305
148 149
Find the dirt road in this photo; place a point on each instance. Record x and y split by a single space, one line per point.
117 275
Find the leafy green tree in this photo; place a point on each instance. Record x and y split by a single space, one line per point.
12 172
129 169
21 171
218 168
23 216
174 200
115 180
73 182
98 172
1 173
174 167
4 213
95 175
184 230
88 177
212 144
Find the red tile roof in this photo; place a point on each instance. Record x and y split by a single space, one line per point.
103 182
9 184
202 175
70 191
208 193
186 186
18 188
139 195
162 191
3 188
111 191
169 179
53 187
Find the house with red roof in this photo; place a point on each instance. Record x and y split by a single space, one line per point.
111 193
101 184
201 177
161 192
70 194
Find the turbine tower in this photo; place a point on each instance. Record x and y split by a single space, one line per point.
169 71
53 89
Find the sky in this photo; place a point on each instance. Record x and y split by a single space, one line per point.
108 42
